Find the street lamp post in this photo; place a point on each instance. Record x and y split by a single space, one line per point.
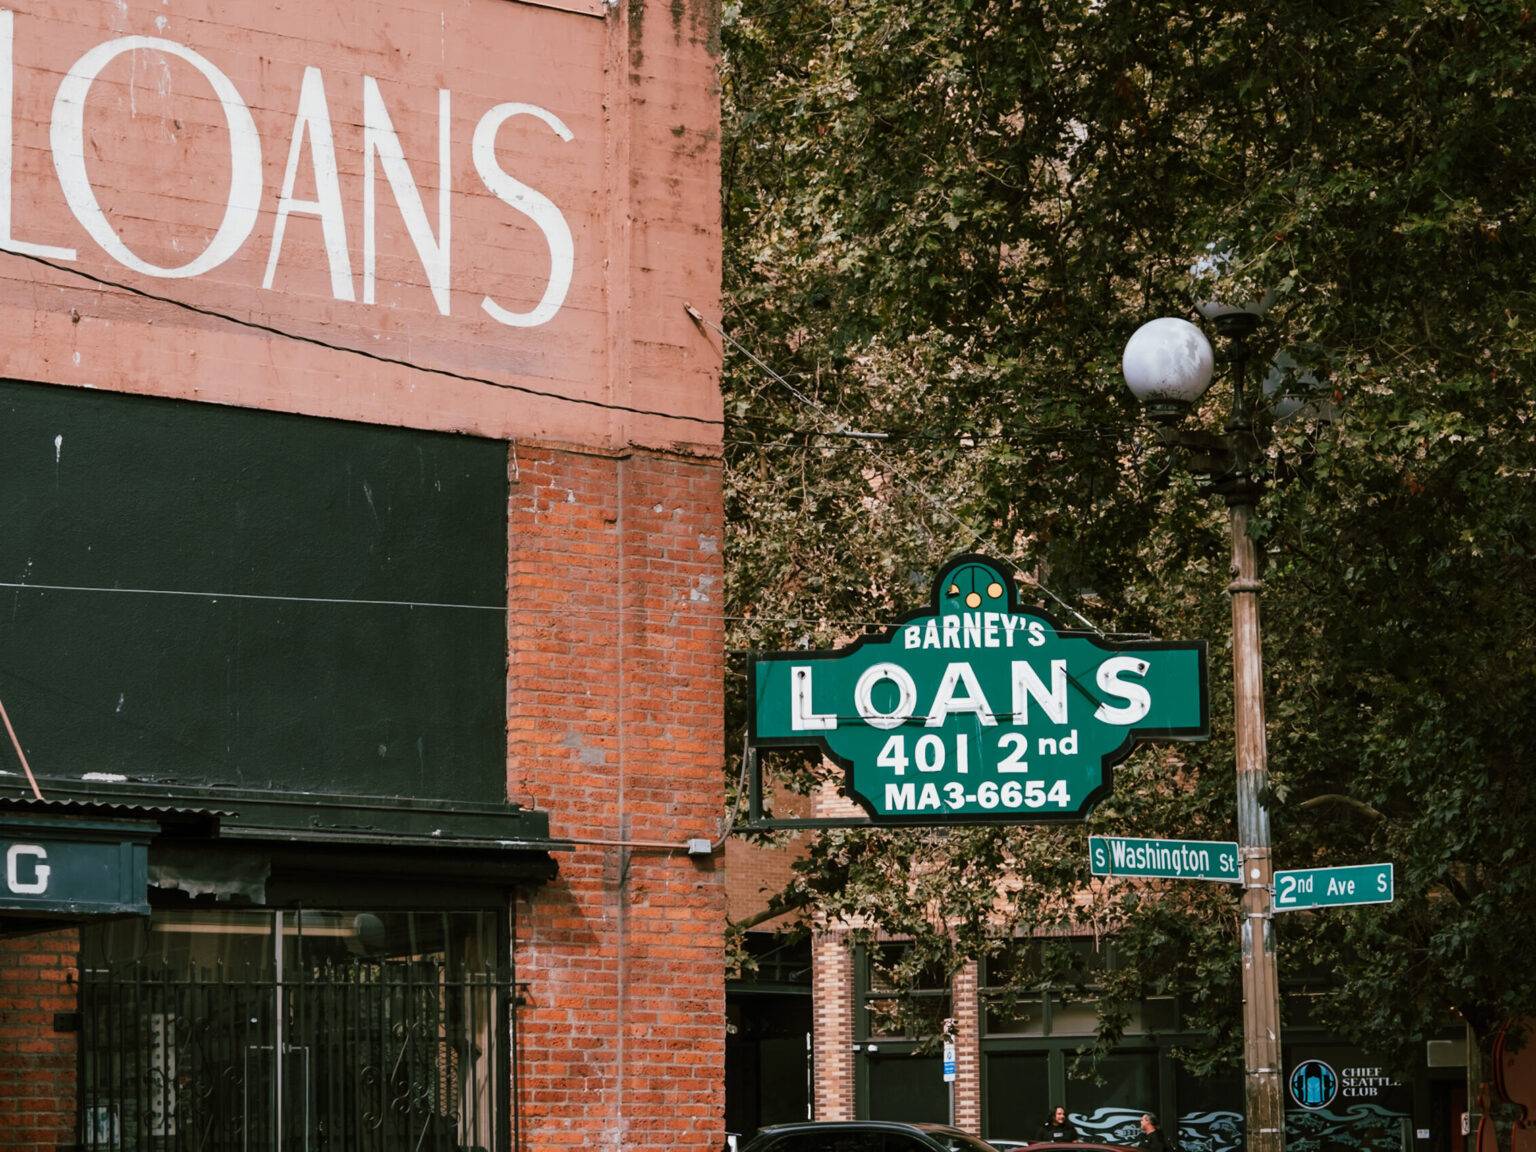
1168 365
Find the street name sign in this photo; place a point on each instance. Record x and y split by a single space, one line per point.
975 710
1173 859
1333 887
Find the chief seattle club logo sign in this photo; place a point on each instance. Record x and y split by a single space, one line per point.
976 710
1313 1084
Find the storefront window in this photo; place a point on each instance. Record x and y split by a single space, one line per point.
1160 1014
1073 1017
1338 1097
1302 1006
902 1001
1051 988
1013 1004
295 1031
1017 1094
1071 970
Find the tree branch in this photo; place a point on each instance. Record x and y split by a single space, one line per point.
1342 801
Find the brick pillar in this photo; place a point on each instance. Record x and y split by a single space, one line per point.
967 1013
615 652
832 997
39 978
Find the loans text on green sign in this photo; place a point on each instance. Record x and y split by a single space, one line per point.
975 709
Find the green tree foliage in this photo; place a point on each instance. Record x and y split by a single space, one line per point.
943 221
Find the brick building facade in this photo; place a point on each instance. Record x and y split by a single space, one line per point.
362 554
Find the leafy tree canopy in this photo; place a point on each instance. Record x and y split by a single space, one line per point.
944 220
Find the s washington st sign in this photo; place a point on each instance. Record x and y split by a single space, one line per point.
977 710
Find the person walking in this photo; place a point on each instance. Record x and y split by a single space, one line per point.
1058 1129
1152 1138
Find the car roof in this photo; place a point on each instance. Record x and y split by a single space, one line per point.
922 1127
839 1125
930 1126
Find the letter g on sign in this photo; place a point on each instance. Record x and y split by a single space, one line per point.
36 882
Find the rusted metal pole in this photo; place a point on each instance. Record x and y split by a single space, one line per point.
1263 1087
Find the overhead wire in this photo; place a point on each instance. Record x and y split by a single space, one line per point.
587 612
968 439
893 441
30 587
594 613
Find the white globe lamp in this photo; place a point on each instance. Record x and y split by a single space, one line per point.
1167 365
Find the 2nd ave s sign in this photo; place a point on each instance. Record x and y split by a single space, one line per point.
1299 888
975 710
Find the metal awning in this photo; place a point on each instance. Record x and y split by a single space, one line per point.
92 850
167 816
232 814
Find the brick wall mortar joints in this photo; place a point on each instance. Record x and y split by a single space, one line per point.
599 512
832 965
41 981
967 1012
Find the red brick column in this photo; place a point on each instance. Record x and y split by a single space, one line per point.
614 727
967 1012
38 979
832 996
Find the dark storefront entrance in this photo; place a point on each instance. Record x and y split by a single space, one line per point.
768 1040
296 1030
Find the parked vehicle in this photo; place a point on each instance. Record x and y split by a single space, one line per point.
864 1136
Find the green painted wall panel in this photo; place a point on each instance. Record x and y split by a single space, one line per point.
275 674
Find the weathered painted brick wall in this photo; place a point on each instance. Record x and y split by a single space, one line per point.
186 209
615 665
615 729
38 981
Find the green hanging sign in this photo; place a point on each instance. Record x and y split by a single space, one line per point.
976 710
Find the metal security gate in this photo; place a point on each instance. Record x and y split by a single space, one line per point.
407 1054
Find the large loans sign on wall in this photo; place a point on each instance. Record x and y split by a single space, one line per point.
975 709
386 211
